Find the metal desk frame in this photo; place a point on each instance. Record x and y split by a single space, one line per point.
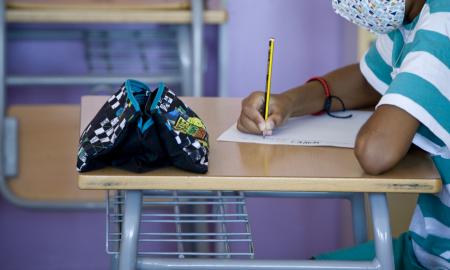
128 259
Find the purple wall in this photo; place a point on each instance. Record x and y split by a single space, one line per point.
51 240
310 41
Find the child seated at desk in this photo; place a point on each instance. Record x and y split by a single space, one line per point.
406 74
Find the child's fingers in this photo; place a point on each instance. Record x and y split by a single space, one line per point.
247 125
251 119
253 114
274 120
255 100
267 133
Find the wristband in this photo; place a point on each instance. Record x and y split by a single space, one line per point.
329 99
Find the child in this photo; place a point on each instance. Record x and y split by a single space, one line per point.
406 74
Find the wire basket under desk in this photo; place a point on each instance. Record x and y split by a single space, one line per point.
185 224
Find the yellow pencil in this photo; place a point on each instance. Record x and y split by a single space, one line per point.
269 78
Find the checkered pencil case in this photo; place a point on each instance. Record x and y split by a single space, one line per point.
133 131
183 133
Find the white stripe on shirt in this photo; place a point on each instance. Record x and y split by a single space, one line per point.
425 226
429 146
435 72
418 223
432 22
446 255
423 116
429 261
384 47
436 228
444 195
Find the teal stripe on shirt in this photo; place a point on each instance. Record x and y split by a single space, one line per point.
423 93
431 42
399 43
392 35
443 166
426 132
378 66
434 244
431 206
411 25
439 6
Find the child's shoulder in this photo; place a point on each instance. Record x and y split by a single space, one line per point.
438 6
437 13
434 23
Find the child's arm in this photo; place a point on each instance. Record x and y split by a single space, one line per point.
381 143
347 83
385 139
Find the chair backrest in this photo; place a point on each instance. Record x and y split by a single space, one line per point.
99 4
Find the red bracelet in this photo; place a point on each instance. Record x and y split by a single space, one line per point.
329 99
326 88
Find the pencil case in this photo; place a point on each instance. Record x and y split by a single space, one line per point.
183 133
132 131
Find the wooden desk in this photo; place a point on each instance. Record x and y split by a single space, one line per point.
264 167
251 167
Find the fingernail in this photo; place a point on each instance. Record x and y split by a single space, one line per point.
262 127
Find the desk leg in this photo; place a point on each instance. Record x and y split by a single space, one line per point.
384 255
130 230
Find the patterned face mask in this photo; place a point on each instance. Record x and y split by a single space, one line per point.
378 16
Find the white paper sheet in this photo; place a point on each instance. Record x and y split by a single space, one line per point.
308 130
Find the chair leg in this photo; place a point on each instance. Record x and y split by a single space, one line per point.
359 218
382 231
197 34
185 57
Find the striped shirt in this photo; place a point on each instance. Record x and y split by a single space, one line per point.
410 67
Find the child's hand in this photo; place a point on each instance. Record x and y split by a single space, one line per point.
251 119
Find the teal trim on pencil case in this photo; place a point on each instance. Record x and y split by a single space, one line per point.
158 96
130 93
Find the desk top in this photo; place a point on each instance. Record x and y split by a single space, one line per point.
253 167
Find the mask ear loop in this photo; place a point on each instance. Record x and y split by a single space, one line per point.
329 100
327 107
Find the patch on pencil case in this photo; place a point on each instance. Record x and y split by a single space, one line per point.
183 133
124 134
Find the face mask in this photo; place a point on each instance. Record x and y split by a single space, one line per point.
378 16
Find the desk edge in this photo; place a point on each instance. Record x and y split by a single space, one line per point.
286 184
